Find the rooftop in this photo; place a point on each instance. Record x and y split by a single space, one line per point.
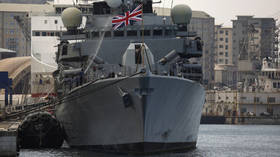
6 50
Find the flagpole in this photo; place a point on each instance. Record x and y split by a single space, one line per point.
143 46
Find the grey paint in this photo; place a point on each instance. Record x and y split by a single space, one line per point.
96 115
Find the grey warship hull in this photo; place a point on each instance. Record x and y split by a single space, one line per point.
161 113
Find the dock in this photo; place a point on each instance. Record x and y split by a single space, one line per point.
8 139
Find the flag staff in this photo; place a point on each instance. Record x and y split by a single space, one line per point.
143 46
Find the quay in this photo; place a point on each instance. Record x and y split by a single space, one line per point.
8 139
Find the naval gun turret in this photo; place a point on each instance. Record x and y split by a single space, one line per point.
193 46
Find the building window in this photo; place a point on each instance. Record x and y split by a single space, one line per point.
226 54
221 53
274 85
226 32
256 99
12 31
226 47
221 39
243 98
226 40
221 46
221 61
221 32
271 99
226 61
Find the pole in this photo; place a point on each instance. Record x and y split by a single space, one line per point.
143 46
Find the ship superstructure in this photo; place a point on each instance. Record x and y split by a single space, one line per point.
135 92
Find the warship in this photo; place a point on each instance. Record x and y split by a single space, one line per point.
131 89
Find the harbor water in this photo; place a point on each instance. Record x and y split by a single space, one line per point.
213 141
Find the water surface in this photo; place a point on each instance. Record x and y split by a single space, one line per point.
213 141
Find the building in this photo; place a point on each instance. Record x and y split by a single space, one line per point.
15 25
223 45
204 25
225 70
253 40
4 53
230 102
225 76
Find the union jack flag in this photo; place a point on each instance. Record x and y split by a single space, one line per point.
128 18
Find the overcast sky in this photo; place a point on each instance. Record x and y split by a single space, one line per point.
226 10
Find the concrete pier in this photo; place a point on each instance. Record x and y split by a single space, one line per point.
8 139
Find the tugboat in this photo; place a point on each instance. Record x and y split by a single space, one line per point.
131 89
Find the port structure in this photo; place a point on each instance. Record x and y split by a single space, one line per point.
6 83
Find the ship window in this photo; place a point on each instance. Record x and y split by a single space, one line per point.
95 34
55 21
168 32
147 32
90 10
64 50
157 32
44 33
52 33
118 33
132 33
84 10
148 7
108 34
138 57
101 8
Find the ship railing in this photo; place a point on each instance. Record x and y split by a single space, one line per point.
114 71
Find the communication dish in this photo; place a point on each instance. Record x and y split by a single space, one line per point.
71 18
181 14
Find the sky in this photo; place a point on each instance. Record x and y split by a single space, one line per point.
226 10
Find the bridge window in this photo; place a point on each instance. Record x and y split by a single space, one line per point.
147 32
95 34
168 32
64 50
132 33
118 33
157 32
107 34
